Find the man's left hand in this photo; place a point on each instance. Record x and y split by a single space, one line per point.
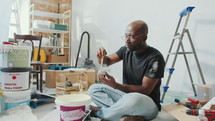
107 79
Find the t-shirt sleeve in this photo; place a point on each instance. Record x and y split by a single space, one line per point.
155 67
121 52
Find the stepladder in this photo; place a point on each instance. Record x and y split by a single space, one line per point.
177 48
15 23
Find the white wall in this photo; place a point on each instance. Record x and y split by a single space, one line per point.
106 20
24 16
5 10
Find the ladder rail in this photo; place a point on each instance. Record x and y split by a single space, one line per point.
195 55
188 69
173 41
173 64
185 12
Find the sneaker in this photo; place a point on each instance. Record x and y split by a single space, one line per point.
132 118
94 108
93 111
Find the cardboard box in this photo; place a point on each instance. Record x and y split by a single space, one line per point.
57 59
205 92
52 77
77 82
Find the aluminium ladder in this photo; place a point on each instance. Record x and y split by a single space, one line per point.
186 12
15 12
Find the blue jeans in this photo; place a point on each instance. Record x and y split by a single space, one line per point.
115 103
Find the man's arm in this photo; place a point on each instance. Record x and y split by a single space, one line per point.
110 59
147 87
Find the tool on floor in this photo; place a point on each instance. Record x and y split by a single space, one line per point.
86 116
183 103
210 114
68 83
198 105
179 36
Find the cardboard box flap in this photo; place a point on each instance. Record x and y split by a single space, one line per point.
179 112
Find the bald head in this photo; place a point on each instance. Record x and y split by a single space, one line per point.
139 26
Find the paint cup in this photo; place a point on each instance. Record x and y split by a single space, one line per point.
72 107
15 79
15 98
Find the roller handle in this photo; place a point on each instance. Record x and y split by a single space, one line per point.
10 43
193 100
185 11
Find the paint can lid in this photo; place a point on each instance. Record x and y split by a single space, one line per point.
73 100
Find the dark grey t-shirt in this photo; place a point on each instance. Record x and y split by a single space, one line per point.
135 66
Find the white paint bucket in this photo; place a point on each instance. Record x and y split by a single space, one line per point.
19 57
15 79
72 107
13 99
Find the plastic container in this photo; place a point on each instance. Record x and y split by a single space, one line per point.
13 99
43 24
19 57
72 107
58 27
15 79
104 69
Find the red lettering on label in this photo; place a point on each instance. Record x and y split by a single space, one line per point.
10 84
17 87
7 87
14 74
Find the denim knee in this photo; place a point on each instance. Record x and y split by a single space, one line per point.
91 89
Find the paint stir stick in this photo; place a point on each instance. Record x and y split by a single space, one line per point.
101 65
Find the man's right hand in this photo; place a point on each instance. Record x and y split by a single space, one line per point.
101 53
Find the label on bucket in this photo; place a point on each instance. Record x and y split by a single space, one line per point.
17 58
15 104
69 113
15 81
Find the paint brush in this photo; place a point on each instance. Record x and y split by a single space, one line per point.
101 64
102 71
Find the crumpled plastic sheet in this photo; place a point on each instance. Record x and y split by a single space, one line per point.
6 48
20 113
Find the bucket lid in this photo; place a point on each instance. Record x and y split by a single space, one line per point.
15 69
73 100
22 93
22 47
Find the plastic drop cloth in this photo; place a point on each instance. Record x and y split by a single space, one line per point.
20 113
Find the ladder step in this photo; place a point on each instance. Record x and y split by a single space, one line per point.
17 25
181 53
177 36
14 11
